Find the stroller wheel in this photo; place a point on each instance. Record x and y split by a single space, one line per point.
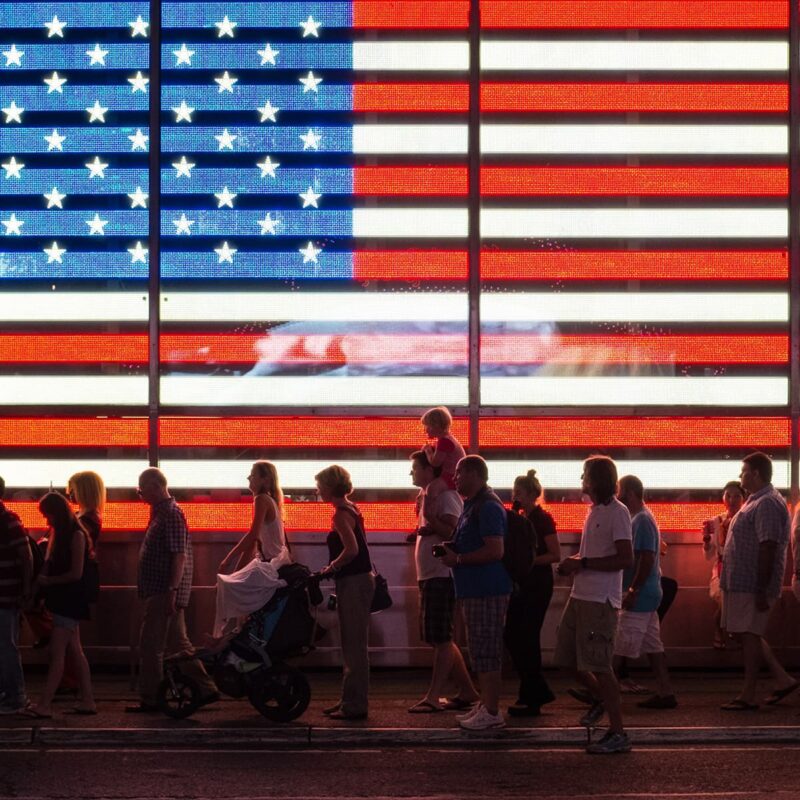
280 694
178 695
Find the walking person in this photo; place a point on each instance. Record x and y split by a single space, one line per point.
530 600
351 567
89 492
588 625
164 584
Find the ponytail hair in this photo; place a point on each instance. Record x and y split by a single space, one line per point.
530 483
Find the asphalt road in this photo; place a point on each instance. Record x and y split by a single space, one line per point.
700 773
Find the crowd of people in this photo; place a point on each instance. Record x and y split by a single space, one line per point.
463 540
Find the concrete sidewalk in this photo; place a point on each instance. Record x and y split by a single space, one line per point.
234 723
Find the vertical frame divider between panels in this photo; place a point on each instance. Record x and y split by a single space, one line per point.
474 222
794 244
154 234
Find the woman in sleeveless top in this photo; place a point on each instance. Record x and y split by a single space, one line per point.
68 551
88 491
351 567
258 555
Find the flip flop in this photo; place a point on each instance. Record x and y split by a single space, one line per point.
739 705
33 713
456 704
779 694
424 707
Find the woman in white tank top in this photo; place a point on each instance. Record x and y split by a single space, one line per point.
258 555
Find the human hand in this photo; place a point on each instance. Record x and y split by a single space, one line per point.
569 566
629 599
449 559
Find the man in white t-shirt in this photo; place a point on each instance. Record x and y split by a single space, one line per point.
437 518
586 633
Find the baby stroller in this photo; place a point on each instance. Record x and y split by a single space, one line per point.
252 663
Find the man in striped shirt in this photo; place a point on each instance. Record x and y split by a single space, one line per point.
16 572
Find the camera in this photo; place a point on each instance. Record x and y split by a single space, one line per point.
439 551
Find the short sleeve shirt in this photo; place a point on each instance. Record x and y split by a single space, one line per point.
605 524
167 535
447 503
453 452
646 539
480 580
763 518
13 537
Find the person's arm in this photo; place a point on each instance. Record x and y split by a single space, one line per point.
553 554
263 511
767 522
175 577
177 538
644 560
442 526
75 572
491 550
344 525
26 561
622 559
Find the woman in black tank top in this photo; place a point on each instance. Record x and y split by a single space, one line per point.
351 567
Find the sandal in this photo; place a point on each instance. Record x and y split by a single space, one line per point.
457 704
779 694
739 705
425 707
33 713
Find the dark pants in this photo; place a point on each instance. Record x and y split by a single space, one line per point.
526 611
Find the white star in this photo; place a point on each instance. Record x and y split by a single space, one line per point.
267 55
54 198
13 168
139 27
310 140
225 27
310 197
96 168
13 112
225 139
13 56
97 112
225 198
13 225
310 253
268 112
310 83
55 27
138 83
268 167
97 225
55 141
138 140
183 56
310 27
138 198
268 225
54 253
138 253
183 112
97 56
225 253
183 167
183 225
54 83
226 82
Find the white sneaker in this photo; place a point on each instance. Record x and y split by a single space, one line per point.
469 714
483 720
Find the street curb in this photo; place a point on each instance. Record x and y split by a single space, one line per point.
305 736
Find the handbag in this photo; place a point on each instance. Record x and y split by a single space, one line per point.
381 599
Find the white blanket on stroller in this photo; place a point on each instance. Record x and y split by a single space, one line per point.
248 589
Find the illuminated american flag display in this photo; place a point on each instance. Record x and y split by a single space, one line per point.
314 243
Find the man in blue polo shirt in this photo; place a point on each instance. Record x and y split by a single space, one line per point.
482 585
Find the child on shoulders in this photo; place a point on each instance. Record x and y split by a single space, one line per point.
446 452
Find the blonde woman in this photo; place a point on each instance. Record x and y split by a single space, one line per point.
258 555
89 492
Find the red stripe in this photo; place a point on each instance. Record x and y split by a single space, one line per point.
411 97
771 98
78 432
616 265
413 181
316 517
646 181
410 14
680 14
410 265
68 348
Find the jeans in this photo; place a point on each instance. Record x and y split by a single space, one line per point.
12 680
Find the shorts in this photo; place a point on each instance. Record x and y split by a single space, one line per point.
740 615
485 619
638 633
65 622
586 636
437 603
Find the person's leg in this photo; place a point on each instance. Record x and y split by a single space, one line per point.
461 678
152 641
76 655
59 641
540 690
609 694
178 642
518 636
11 674
658 663
782 678
354 595
752 653
491 685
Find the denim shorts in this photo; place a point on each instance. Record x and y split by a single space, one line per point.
65 622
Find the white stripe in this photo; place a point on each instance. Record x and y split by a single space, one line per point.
411 56
635 391
449 139
311 391
74 306
636 138
107 390
413 223
634 56
56 473
644 223
635 307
